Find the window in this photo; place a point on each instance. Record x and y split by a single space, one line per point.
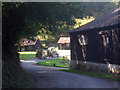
67 44
105 37
82 39
105 40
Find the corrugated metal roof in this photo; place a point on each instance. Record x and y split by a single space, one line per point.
63 40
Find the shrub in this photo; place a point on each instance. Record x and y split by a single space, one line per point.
39 54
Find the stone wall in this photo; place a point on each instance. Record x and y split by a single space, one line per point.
94 67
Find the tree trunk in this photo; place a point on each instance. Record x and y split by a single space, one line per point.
13 76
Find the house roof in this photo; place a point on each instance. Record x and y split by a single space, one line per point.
106 20
26 42
63 40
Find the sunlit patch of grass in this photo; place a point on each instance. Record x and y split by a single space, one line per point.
58 62
27 52
27 56
24 55
99 75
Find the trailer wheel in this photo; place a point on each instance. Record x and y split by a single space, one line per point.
52 56
57 55
44 57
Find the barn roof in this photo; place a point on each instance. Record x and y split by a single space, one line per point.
106 20
63 40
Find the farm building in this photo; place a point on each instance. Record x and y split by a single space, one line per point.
64 43
29 45
96 45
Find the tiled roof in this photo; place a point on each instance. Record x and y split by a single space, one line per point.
106 20
26 42
63 40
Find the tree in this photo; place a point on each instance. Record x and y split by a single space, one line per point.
78 10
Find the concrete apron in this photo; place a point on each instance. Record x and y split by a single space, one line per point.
95 67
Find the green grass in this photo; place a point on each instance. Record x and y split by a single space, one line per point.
27 56
99 75
59 62
28 51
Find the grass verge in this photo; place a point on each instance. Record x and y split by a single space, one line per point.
58 62
114 77
28 51
27 56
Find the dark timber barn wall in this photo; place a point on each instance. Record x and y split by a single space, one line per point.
102 40
95 50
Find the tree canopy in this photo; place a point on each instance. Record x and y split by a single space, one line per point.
44 18
30 19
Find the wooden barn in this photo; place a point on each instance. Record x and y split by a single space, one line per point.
29 45
97 41
64 43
